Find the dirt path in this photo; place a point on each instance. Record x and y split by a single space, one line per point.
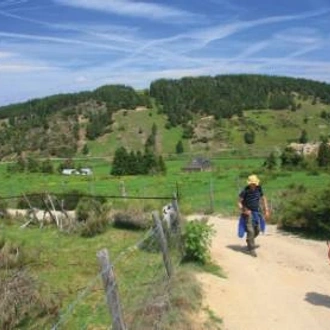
287 286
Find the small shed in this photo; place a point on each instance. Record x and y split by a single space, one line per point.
198 164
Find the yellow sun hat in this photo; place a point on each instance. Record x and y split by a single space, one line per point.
253 179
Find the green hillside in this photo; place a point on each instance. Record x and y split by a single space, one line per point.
237 114
274 129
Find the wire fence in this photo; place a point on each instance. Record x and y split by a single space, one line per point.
144 298
143 269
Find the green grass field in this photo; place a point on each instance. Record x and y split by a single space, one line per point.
67 264
68 268
198 192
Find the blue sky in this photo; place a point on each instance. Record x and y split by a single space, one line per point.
59 46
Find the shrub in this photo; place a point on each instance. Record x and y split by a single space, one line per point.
71 199
86 206
13 255
94 217
3 208
197 241
305 210
249 137
131 219
22 301
34 199
95 224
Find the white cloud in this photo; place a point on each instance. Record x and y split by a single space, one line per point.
81 79
129 8
301 35
62 40
66 57
11 3
21 68
223 31
5 54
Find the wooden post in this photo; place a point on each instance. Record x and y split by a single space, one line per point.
47 209
178 223
211 197
31 208
111 290
123 189
162 243
58 223
61 205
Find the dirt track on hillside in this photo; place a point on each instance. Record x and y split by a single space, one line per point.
286 287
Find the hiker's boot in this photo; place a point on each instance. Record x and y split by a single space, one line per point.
251 248
250 245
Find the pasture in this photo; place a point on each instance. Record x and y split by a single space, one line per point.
66 264
199 192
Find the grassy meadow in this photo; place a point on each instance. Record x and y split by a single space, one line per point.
67 266
198 192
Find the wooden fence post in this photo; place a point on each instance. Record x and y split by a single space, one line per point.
162 243
211 197
58 222
123 189
178 223
31 209
111 290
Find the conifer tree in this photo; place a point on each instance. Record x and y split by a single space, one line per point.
119 164
179 147
323 155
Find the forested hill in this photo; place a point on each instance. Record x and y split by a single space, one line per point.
115 97
65 125
226 95
56 125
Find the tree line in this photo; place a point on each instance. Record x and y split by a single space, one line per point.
226 95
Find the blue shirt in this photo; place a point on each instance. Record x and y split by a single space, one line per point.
251 197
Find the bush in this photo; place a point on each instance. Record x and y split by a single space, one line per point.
85 207
305 210
22 302
13 255
131 219
35 200
71 199
95 224
3 208
197 241
93 215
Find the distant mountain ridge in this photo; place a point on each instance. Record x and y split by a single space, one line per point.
66 125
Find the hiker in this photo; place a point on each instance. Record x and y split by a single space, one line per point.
251 219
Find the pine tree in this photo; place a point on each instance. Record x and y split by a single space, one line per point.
47 166
119 164
249 137
270 162
85 149
303 137
323 155
179 147
161 165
